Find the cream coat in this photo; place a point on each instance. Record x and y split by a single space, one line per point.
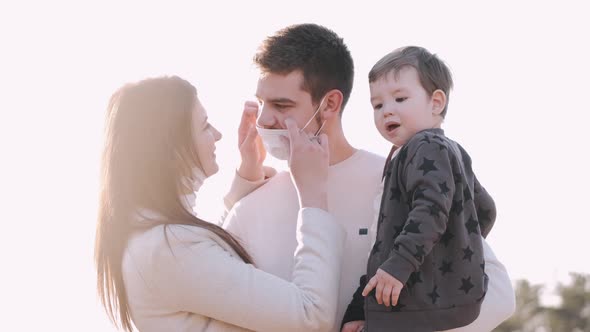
198 283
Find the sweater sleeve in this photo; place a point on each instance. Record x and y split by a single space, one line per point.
485 207
484 203
428 180
356 309
200 276
241 187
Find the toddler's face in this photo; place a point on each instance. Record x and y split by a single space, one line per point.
402 107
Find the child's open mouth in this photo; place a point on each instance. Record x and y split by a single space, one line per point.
392 126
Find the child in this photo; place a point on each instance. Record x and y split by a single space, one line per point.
427 261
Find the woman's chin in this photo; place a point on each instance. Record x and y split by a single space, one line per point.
212 170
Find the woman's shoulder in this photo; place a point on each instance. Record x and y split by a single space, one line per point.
161 241
165 251
171 235
165 261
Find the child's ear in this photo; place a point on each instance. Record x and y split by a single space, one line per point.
439 100
332 104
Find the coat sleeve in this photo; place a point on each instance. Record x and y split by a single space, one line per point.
199 276
427 177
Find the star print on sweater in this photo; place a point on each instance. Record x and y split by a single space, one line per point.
434 213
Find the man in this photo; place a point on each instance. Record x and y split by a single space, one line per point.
304 69
307 75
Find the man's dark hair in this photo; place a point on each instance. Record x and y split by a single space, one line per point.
316 51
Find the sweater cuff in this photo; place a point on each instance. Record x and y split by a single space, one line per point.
241 187
356 308
399 267
353 313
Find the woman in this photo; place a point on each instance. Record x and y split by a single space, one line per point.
160 267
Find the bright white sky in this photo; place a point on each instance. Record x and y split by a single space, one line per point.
519 107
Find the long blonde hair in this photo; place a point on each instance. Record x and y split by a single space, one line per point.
148 150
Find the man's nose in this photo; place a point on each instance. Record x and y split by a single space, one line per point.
265 119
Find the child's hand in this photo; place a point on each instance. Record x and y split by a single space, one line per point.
387 288
354 326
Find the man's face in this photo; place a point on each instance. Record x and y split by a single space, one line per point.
281 97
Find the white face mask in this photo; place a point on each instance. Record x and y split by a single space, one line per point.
278 147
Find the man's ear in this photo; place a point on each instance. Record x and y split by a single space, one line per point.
332 104
439 100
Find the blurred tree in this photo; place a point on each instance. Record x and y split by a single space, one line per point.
572 315
574 312
528 316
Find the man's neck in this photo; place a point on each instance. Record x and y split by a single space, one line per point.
340 149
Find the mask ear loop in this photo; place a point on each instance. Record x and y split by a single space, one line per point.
315 136
318 132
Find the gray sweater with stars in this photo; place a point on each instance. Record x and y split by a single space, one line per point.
432 217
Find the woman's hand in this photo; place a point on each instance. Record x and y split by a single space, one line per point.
309 163
250 144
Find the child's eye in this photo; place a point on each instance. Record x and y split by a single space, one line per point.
377 107
400 99
281 107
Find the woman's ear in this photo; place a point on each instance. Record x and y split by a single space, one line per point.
439 101
332 104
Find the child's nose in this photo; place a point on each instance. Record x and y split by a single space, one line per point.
388 110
